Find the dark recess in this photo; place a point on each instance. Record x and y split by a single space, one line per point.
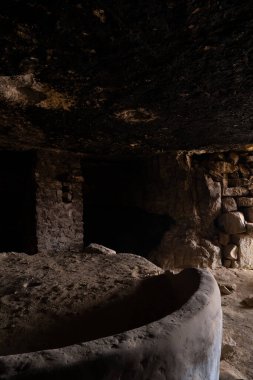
17 202
114 215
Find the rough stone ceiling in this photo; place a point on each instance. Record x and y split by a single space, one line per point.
120 76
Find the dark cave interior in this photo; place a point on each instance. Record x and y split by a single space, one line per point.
114 214
17 202
129 125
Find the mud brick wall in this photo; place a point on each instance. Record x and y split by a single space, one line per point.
59 202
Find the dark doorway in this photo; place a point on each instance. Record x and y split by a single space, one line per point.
114 212
17 202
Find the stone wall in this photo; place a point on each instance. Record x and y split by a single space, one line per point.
59 202
210 198
181 209
234 172
207 197
192 199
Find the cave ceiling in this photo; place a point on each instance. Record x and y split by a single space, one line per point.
122 77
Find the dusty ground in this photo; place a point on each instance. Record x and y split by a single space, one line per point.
49 300
238 322
43 299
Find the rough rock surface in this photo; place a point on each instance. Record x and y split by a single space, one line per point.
97 248
237 324
52 293
249 228
166 348
248 213
245 249
235 191
231 252
208 200
223 238
229 204
122 76
228 344
232 222
245 202
180 249
228 372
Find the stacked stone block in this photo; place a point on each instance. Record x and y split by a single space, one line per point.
234 171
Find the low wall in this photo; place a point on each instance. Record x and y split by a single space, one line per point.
183 345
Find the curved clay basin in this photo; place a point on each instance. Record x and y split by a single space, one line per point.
169 328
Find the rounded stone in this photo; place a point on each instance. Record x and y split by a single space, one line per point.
245 245
231 252
232 222
229 204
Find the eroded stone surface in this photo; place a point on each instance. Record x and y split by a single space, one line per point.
235 191
237 322
59 202
223 238
228 204
232 222
186 249
231 252
223 167
248 213
245 202
228 346
227 263
165 348
228 372
106 118
249 228
98 248
245 251
52 293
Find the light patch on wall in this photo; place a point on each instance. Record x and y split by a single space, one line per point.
27 91
100 14
248 147
136 116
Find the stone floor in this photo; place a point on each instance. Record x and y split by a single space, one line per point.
44 295
33 298
237 303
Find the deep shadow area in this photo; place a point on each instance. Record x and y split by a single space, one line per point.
17 202
114 201
144 78
125 229
153 299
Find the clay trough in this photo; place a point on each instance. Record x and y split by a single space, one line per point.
170 327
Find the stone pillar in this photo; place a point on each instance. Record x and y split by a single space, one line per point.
59 202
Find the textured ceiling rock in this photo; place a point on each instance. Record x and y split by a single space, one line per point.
116 76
